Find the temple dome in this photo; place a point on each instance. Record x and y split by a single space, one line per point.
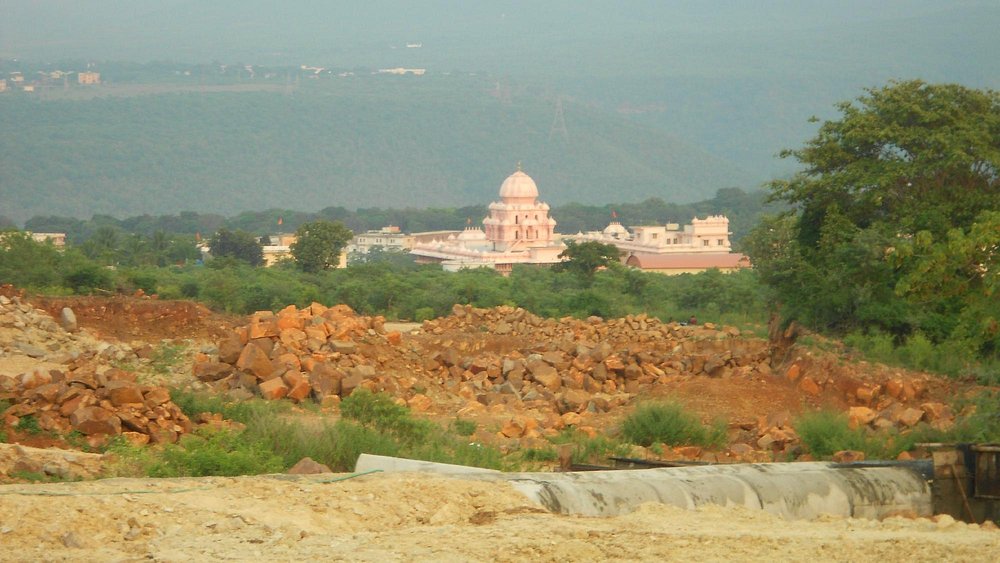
616 230
518 185
472 234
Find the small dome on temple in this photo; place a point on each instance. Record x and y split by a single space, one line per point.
616 230
472 234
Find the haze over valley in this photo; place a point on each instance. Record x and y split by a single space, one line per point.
240 106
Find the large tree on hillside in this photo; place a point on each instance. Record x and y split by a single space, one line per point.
318 245
890 196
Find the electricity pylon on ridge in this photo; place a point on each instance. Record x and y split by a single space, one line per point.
559 122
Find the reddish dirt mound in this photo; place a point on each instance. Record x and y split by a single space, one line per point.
132 318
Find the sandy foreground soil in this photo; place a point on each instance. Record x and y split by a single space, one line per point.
409 517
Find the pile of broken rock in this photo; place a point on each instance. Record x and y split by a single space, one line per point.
502 359
72 385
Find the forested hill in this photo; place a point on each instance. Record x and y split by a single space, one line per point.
354 142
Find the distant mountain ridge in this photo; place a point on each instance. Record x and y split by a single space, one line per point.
387 142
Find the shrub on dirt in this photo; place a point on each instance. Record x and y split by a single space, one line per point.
193 403
539 454
825 432
372 423
378 411
29 425
591 449
220 452
669 423
982 424
463 427
166 357
200 454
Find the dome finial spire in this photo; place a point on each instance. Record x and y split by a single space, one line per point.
519 166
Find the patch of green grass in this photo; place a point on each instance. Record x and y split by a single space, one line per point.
42 477
954 357
166 357
983 424
29 425
463 427
215 453
594 450
197 455
669 423
825 433
77 440
539 454
372 423
193 403
380 412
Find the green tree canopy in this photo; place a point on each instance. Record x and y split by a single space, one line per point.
237 244
318 245
907 157
891 225
585 258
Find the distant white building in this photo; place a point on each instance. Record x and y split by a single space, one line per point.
401 71
388 238
58 240
88 77
670 248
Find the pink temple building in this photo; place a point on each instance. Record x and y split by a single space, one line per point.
518 230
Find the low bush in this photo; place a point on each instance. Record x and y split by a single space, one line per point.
982 424
193 403
955 357
593 450
166 357
29 425
372 423
669 423
215 453
825 433
380 412
463 427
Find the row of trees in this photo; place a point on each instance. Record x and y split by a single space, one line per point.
318 246
397 290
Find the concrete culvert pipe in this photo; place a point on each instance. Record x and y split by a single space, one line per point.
792 490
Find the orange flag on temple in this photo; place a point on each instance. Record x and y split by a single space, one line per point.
614 214
281 220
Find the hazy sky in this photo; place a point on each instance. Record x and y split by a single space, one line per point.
359 32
